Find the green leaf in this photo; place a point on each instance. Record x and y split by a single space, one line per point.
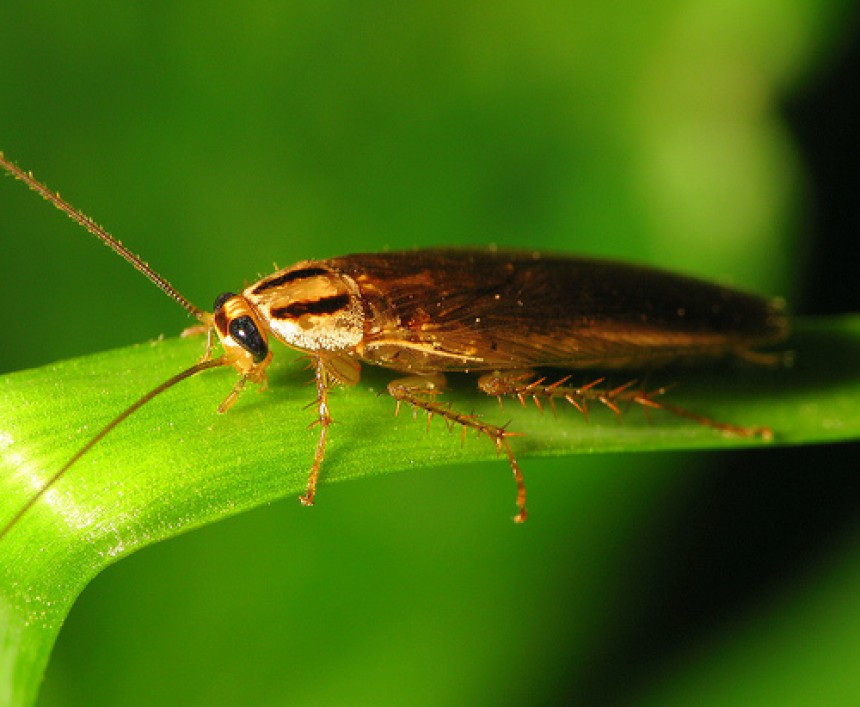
176 465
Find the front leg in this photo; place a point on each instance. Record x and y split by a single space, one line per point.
420 392
206 327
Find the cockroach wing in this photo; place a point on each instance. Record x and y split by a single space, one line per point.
457 310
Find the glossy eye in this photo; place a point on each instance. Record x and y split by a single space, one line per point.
245 333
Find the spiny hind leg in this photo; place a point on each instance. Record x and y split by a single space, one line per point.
420 392
526 385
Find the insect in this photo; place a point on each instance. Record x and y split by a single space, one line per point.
424 313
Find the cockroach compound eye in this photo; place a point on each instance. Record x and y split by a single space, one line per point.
503 314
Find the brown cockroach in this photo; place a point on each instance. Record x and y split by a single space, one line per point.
424 313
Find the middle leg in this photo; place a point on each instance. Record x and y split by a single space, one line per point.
421 391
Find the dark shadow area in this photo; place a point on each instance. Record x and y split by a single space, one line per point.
824 120
757 520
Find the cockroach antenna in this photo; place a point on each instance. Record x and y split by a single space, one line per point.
100 233
85 221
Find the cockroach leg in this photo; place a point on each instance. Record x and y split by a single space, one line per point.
195 330
765 359
205 327
518 385
227 403
210 342
328 371
725 427
324 420
420 392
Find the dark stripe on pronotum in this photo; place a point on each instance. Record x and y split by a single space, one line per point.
291 276
325 305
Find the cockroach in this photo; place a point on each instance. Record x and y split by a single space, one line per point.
423 313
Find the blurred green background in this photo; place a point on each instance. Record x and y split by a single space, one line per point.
216 139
